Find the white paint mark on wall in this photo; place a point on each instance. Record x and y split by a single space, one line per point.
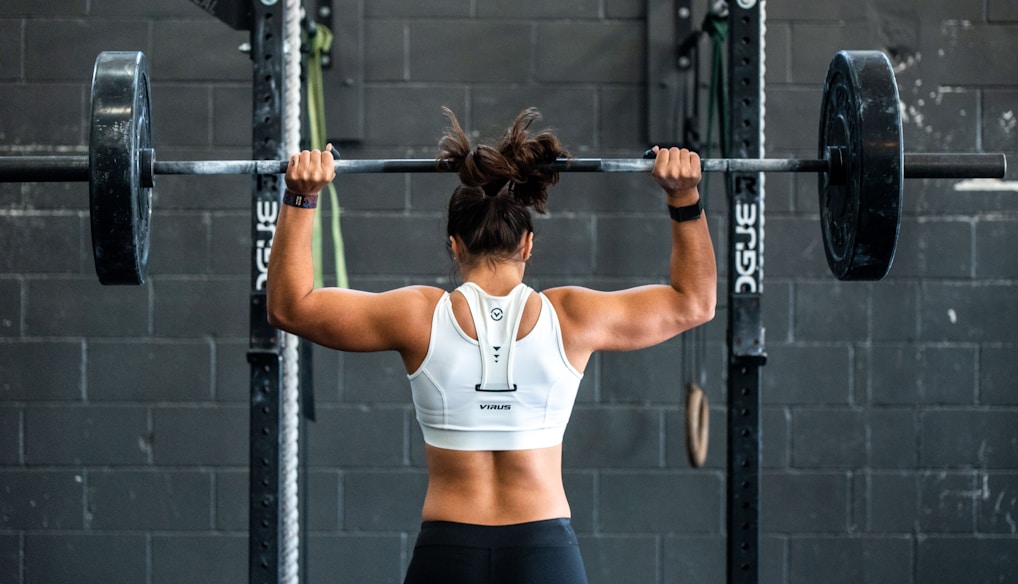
987 185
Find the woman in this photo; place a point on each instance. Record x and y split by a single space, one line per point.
494 366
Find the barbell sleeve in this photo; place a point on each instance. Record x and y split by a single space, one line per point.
44 169
961 165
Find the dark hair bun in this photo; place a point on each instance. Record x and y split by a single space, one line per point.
512 166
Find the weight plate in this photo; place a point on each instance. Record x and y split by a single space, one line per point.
860 199
120 203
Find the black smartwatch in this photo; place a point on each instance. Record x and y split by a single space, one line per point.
687 213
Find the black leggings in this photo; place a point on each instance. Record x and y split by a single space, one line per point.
541 552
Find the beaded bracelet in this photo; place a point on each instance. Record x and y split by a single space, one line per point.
300 201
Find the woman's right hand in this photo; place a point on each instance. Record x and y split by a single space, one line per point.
309 171
677 170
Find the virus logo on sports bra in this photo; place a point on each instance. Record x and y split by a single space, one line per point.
496 313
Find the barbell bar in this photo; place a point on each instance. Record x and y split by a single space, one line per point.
860 167
916 166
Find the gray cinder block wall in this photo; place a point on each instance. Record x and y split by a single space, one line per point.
890 449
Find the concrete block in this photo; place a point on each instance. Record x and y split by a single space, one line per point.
997 370
826 438
807 374
581 490
157 371
144 500
188 307
569 111
374 378
11 42
58 8
813 502
693 558
181 115
172 58
957 558
89 435
409 116
637 503
153 9
358 436
563 246
615 437
957 311
37 243
57 378
537 10
499 51
232 372
949 376
830 312
80 306
180 243
10 558
231 115
894 311
610 558
401 9
958 52
209 557
41 500
383 500
632 246
10 307
11 432
184 435
966 437
77 557
993 259
793 248
892 437
999 126
998 503
891 502
231 492
934 249
935 118
385 50
647 376
947 502
563 51
419 248
895 371
47 114
231 249
844 560
349 559
82 40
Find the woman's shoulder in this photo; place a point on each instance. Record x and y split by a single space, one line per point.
417 296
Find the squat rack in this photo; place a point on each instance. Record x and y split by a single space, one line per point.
745 333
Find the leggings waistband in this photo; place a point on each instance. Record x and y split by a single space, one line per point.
549 532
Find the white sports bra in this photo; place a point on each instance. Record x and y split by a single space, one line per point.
494 393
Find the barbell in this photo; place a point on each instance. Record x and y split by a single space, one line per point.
861 166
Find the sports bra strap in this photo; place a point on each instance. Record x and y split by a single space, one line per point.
497 322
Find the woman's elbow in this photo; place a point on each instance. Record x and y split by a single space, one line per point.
703 308
279 314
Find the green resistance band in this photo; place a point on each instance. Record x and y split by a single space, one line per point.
320 43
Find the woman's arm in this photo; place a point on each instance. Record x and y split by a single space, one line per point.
641 317
348 320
